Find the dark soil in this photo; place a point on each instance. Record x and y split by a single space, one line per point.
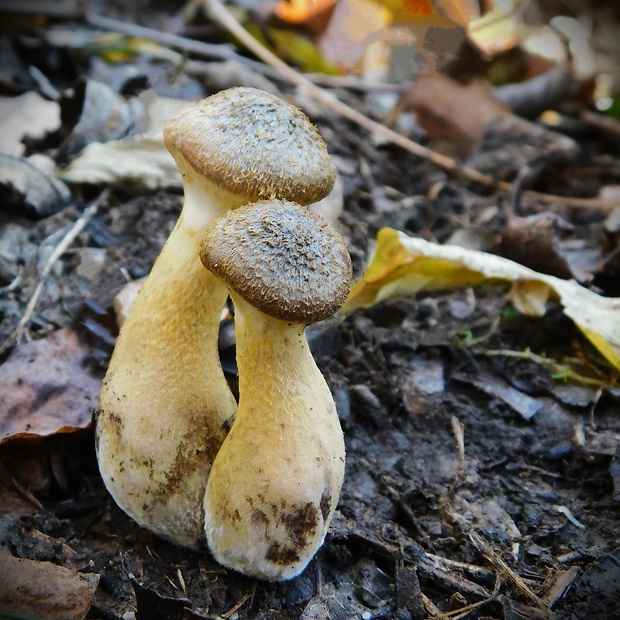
425 525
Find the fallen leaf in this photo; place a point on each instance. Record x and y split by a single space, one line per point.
22 183
113 46
445 13
534 242
44 590
141 159
301 51
306 12
27 115
498 30
526 406
436 27
488 516
500 151
46 389
448 110
354 26
402 266
92 112
151 605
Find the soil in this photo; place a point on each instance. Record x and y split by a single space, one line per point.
458 501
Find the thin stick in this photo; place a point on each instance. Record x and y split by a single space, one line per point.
226 52
59 250
547 362
459 435
220 13
461 612
49 8
199 48
478 571
505 570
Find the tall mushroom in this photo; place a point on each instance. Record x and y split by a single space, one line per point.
165 402
275 482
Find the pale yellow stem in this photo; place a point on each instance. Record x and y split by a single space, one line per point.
165 401
275 483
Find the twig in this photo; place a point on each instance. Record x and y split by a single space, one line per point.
199 48
216 10
459 436
461 612
226 52
59 250
352 82
49 8
555 367
233 610
449 580
22 491
473 569
499 563
607 124
562 582
430 607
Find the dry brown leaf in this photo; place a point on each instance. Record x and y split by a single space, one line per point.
46 389
44 590
448 110
534 241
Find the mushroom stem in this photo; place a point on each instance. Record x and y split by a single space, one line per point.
275 483
165 401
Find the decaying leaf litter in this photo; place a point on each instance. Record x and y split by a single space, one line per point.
481 482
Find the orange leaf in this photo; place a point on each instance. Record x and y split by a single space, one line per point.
442 13
300 11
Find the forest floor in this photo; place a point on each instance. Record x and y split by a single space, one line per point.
479 482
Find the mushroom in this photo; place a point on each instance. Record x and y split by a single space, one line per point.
165 403
275 482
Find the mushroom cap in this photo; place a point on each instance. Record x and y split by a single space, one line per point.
282 259
252 143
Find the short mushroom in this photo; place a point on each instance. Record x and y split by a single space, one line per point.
165 402
275 482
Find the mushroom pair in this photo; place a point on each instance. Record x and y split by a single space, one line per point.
165 404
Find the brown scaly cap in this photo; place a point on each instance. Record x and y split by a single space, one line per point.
252 143
285 261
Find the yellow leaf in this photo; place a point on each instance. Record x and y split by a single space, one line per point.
529 297
301 51
402 266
